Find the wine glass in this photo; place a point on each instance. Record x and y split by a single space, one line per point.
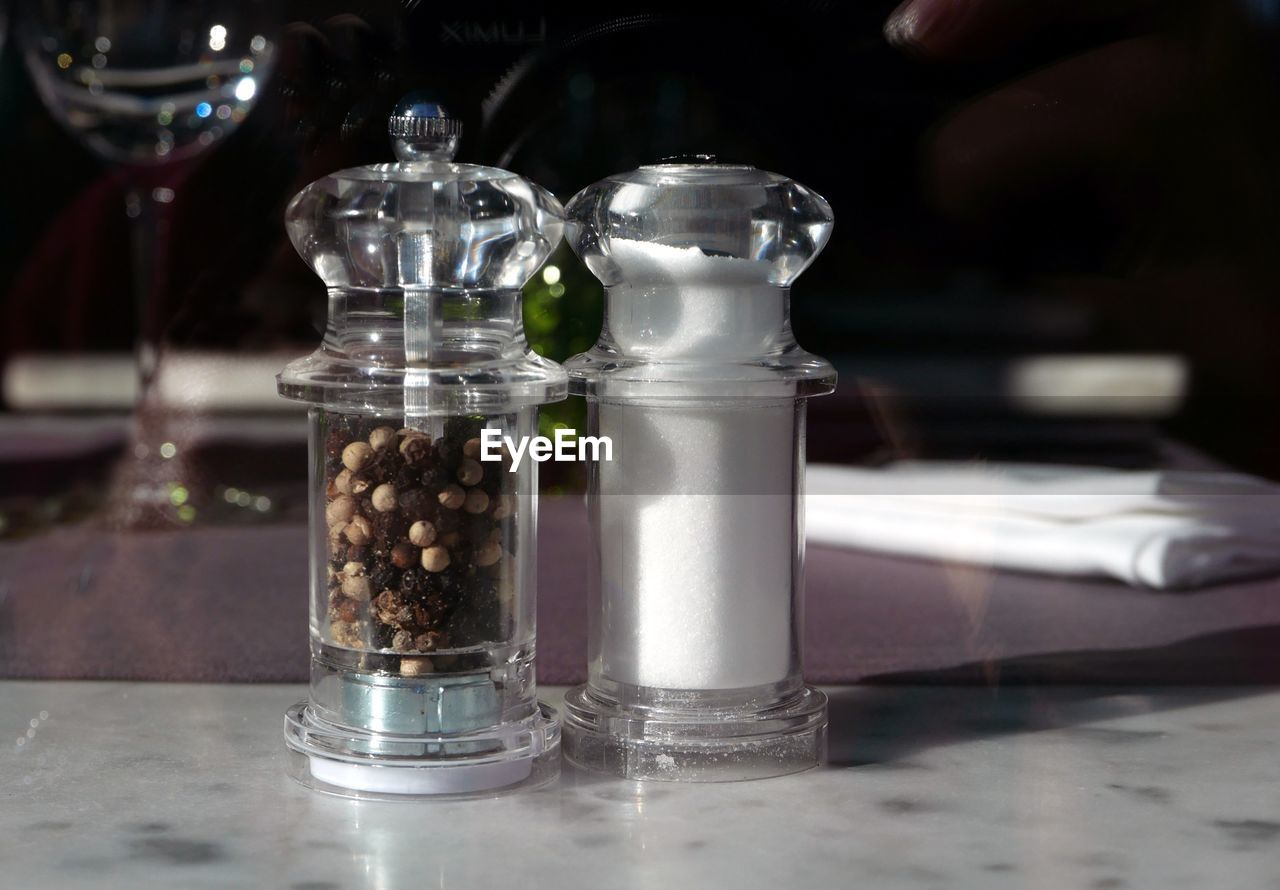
148 86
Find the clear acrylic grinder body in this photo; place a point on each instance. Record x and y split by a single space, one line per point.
422 566
697 576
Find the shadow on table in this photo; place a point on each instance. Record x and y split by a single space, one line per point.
889 717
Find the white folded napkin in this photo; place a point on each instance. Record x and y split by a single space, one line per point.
1164 530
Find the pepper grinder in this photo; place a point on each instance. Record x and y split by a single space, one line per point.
422 553
697 574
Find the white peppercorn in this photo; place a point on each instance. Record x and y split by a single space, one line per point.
471 449
340 510
356 587
384 497
359 530
381 437
415 667
435 559
346 633
356 455
343 480
422 533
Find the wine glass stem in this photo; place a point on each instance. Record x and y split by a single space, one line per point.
148 235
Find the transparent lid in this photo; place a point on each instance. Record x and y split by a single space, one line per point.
774 225
697 258
424 221
424 260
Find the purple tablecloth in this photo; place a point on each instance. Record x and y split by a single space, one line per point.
218 604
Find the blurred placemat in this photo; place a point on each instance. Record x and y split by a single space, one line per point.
230 604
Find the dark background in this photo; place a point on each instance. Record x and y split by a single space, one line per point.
1129 206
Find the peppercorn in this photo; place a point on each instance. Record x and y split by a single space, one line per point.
404 555
414 503
414 582
415 667
356 587
471 448
346 633
488 553
340 510
381 437
346 610
504 507
356 455
384 498
358 530
433 476
452 497
415 448
422 533
470 472
389 527
388 607
435 559
431 640
383 576
476 501
391 611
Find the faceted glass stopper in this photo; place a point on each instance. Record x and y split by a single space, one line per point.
670 223
422 130
425 221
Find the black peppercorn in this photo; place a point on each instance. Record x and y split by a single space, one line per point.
416 504
384 576
415 582
403 555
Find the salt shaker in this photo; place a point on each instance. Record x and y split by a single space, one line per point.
696 583
422 553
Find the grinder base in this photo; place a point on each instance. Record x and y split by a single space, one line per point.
692 743
357 763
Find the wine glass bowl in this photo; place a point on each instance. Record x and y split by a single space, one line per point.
145 83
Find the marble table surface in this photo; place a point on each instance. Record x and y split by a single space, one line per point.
129 784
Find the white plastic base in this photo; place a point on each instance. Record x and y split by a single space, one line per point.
358 763
422 779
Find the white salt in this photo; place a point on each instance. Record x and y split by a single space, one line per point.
697 511
680 303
